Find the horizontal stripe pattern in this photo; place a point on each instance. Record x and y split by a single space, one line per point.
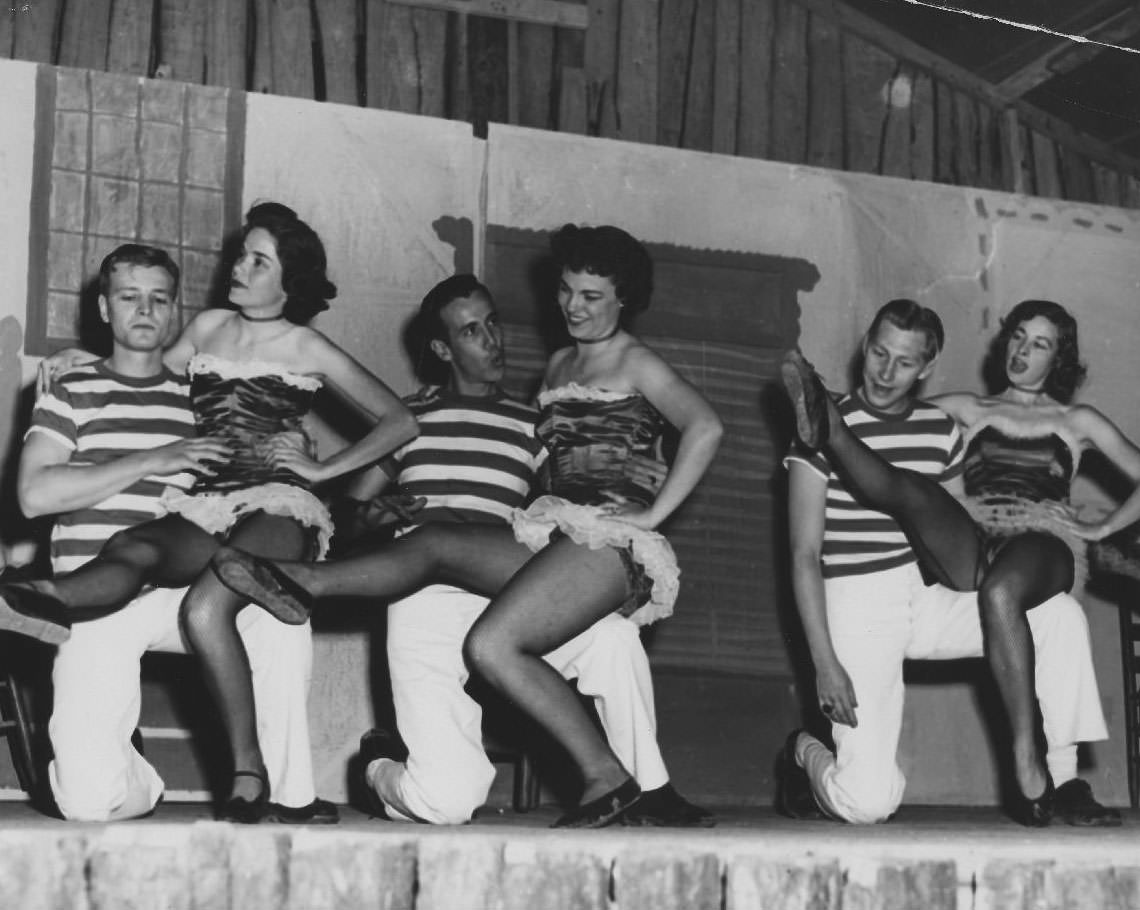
101 417
475 460
858 540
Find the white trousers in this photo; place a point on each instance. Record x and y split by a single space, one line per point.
97 775
447 775
876 621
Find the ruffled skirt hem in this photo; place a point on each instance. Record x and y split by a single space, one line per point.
1003 517
588 526
218 512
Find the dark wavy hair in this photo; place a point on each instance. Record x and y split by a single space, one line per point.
608 252
302 257
136 254
911 316
1067 373
457 287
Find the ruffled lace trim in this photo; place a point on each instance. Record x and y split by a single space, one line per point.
249 369
574 391
1007 516
589 526
218 512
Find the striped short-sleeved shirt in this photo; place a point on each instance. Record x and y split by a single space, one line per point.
858 540
100 416
475 459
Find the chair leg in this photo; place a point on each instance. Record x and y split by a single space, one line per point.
520 783
533 784
20 741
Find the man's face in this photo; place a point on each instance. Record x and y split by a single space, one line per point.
139 306
474 349
894 362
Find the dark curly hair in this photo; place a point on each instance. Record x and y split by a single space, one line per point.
1067 373
302 257
608 252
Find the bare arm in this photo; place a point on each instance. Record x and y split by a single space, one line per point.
806 504
48 484
1104 435
700 427
392 423
962 406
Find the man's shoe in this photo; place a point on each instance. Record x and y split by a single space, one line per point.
1073 801
381 743
376 744
318 812
664 807
794 797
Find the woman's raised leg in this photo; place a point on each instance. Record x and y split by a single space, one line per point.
562 590
209 618
167 552
937 526
480 558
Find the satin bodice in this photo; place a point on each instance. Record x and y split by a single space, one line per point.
244 404
603 445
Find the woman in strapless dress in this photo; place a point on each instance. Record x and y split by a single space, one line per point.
1016 538
589 547
253 371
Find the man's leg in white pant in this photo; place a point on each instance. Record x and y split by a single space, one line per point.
447 774
97 775
868 618
947 626
611 667
281 663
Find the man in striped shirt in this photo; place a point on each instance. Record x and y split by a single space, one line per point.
476 459
106 440
864 607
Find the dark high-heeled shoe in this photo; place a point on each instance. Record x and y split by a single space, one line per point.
809 399
244 811
605 810
262 582
1035 813
26 611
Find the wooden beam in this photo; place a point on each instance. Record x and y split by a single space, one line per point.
601 65
1014 168
539 12
672 74
227 56
1066 57
636 91
181 41
572 108
291 43
726 79
958 77
922 124
757 26
339 32
37 32
536 63
85 35
130 41
826 99
789 84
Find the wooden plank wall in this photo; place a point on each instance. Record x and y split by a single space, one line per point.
789 80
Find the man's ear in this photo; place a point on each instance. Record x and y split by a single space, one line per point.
929 368
103 308
441 350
